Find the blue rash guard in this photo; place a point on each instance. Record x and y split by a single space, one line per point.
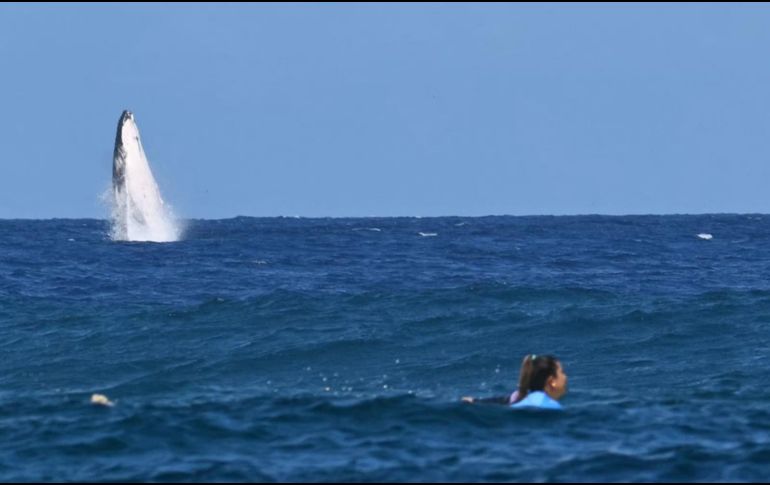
539 400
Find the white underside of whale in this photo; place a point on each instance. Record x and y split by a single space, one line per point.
139 212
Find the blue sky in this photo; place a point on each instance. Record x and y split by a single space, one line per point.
385 110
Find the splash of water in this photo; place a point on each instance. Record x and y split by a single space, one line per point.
139 212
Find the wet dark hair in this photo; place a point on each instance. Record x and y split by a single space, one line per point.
535 372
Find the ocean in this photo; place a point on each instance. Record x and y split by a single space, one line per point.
298 349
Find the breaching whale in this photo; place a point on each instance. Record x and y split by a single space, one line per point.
139 212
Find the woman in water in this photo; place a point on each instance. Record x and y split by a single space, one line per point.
542 382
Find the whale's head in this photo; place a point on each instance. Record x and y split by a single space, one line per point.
127 115
126 139
127 130
126 121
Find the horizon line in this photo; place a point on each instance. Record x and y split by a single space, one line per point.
646 214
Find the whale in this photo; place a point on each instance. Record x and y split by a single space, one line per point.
139 212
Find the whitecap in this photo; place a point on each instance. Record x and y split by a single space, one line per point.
706 236
428 234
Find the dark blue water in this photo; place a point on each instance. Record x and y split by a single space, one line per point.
337 349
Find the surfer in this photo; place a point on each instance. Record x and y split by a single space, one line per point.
542 382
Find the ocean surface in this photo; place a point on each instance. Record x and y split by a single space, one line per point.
293 349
